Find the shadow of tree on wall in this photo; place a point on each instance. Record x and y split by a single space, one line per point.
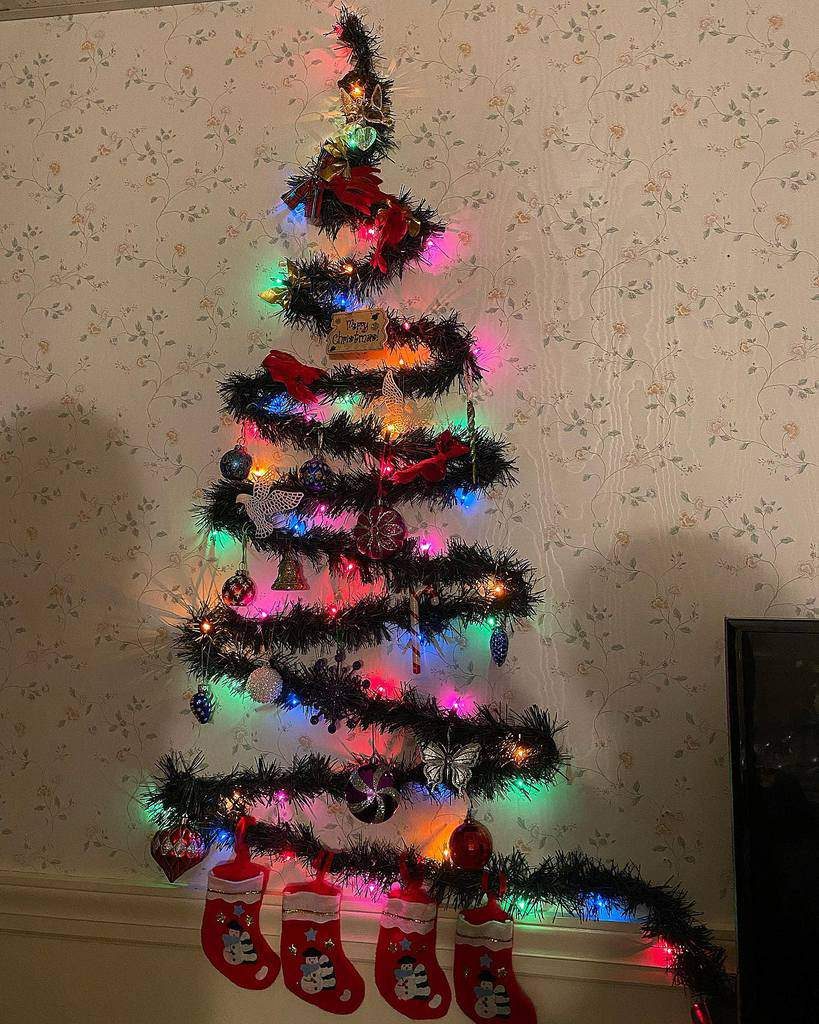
84 654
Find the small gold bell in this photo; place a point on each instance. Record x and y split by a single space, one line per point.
291 574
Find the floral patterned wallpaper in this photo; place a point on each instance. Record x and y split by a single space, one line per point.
630 189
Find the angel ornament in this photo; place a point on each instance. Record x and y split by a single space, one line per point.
267 507
397 413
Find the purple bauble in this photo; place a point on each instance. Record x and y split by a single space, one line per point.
315 475
371 794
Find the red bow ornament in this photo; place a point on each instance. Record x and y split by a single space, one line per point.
392 222
357 187
297 377
433 468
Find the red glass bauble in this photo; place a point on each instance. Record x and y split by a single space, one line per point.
470 846
239 591
380 531
177 850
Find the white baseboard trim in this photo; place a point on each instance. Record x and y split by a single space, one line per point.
108 910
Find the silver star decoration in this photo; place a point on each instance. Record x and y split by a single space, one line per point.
330 944
249 919
220 919
291 950
501 972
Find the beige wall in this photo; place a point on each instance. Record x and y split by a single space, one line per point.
631 194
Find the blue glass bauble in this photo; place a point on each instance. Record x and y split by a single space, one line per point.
235 464
315 474
499 645
203 704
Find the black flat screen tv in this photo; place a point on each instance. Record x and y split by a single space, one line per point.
773 702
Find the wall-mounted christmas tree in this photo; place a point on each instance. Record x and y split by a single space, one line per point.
359 472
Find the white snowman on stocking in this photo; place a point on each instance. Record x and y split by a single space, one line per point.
412 982
492 1000
317 973
239 948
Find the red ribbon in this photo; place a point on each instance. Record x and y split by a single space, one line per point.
391 225
309 194
296 376
358 188
433 468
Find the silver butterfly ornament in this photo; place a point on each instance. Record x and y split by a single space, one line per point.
449 766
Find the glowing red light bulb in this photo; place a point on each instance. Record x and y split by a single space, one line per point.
406 325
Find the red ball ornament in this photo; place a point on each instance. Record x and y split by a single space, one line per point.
380 531
239 591
177 850
470 846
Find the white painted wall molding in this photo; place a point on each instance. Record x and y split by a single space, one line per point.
165 915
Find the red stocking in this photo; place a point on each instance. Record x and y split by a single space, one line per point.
485 984
316 968
407 972
231 937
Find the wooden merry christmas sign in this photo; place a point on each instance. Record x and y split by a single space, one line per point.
354 334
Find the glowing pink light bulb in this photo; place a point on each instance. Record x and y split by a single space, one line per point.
406 325
425 546
280 796
321 510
